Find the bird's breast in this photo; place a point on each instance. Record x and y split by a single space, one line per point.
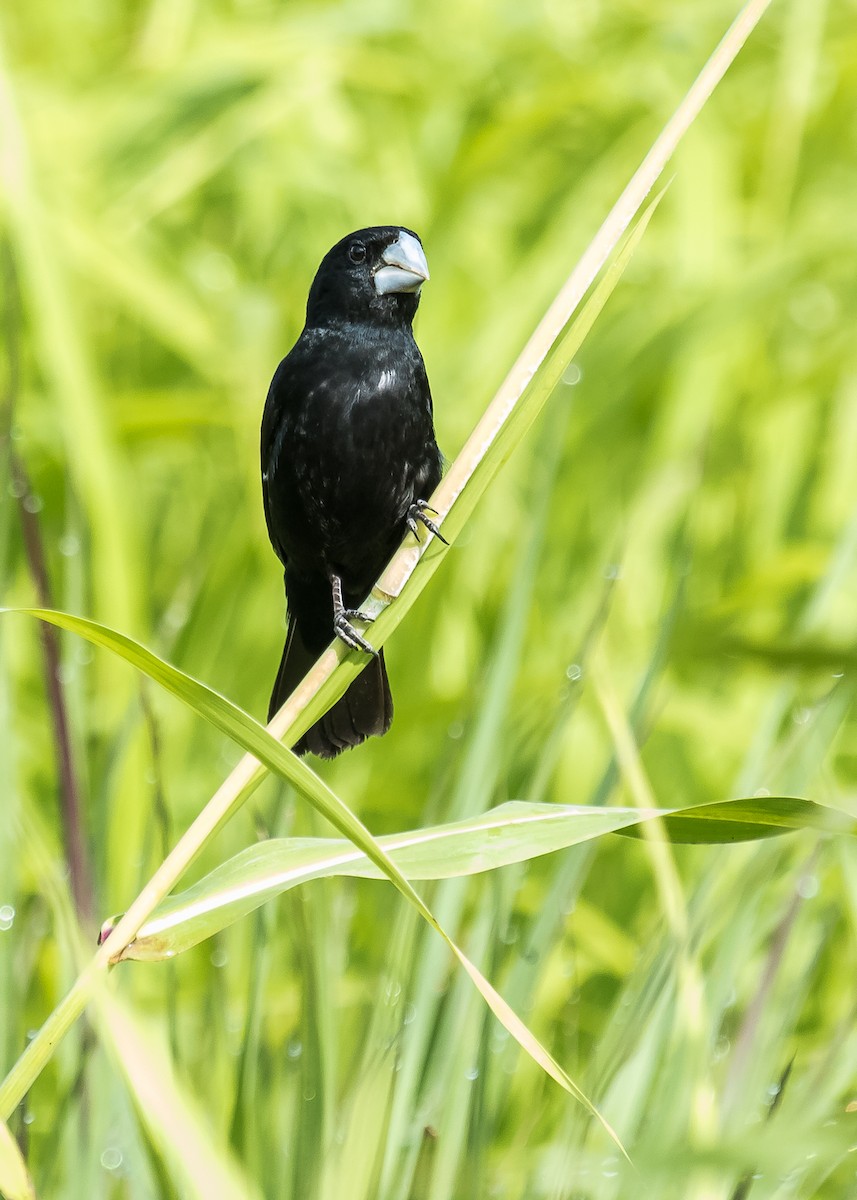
354 448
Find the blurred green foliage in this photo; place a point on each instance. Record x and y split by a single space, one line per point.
171 174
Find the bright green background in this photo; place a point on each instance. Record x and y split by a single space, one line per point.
171 174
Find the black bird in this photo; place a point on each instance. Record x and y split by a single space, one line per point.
348 459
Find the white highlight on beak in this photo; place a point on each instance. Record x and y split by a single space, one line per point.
406 269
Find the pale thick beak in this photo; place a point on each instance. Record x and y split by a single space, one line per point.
406 269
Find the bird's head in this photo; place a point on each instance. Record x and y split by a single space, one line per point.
373 274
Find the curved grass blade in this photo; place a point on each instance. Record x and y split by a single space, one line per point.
747 820
255 739
511 833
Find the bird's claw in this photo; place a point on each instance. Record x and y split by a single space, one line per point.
356 614
419 511
346 632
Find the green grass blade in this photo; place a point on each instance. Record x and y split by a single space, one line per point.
511 833
92 454
258 742
748 820
200 1164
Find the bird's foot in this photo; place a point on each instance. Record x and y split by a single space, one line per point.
419 511
346 632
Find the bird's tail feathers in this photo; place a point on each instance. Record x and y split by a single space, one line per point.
366 709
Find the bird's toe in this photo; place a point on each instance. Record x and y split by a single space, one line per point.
346 632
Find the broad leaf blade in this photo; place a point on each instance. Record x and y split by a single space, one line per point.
511 833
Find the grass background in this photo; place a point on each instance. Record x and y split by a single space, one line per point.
671 552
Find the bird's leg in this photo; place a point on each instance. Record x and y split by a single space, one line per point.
419 511
342 618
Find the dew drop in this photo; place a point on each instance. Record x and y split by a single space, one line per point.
176 615
808 887
610 1168
111 1159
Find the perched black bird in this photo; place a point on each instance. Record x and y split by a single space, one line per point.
348 459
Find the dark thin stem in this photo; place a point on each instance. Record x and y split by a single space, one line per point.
743 1189
745 1041
70 793
750 1026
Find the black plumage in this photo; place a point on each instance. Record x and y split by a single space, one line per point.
349 458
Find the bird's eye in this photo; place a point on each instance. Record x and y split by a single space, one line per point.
357 252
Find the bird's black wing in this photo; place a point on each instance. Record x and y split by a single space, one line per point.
272 431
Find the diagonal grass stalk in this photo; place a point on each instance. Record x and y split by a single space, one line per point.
510 414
